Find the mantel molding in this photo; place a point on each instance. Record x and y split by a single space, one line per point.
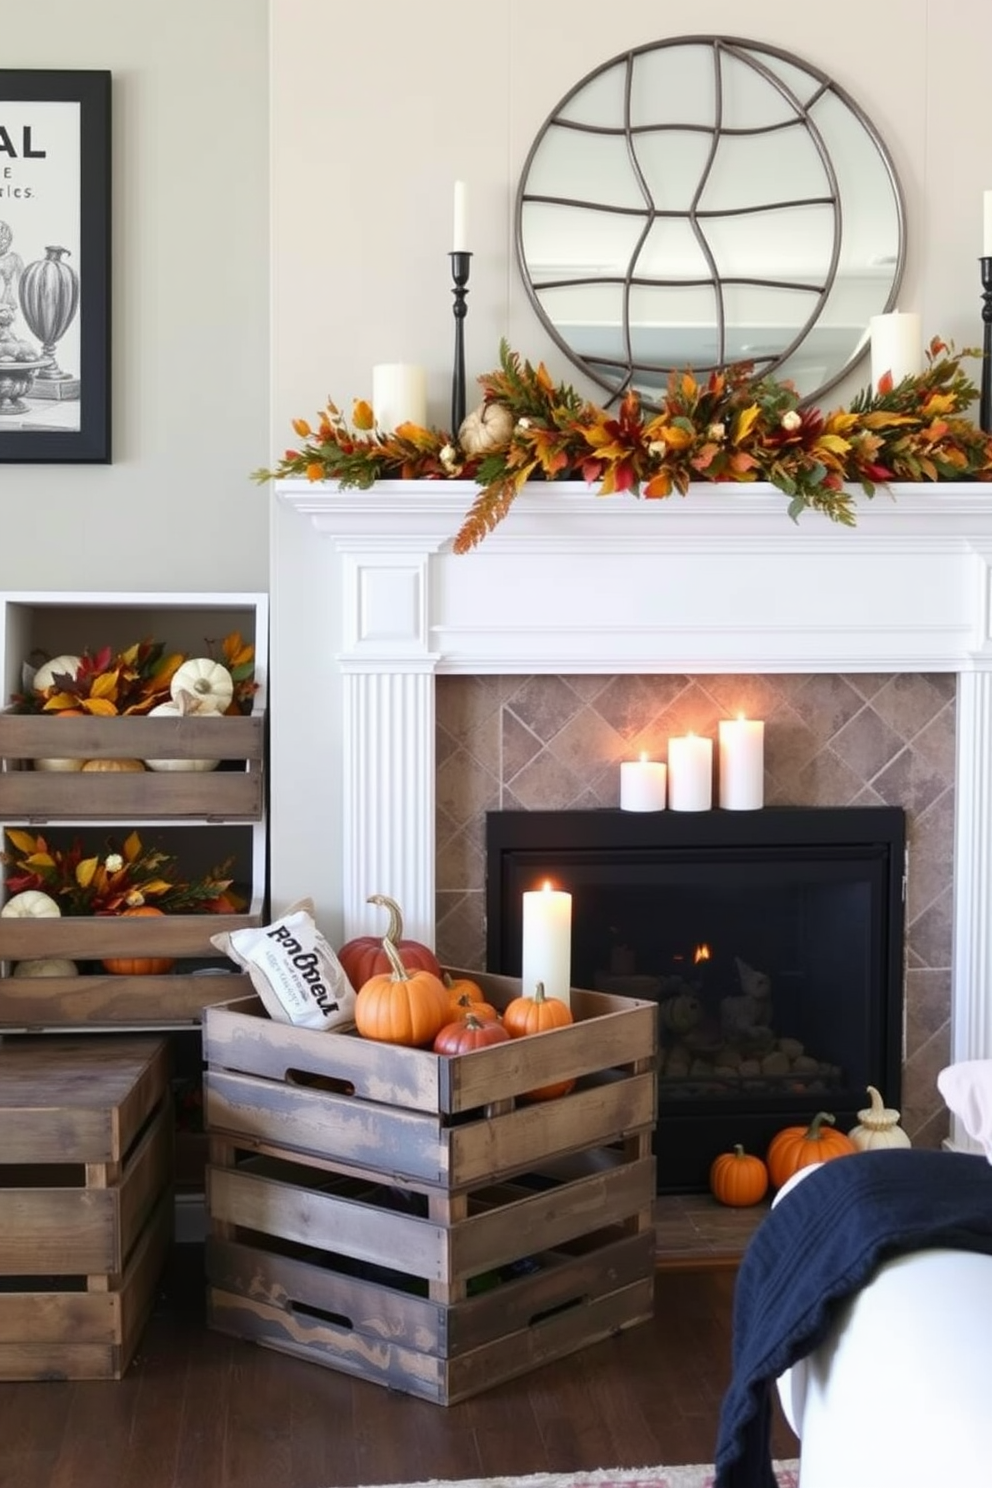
719 580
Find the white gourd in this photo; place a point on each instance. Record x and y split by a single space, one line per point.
207 680
184 705
45 675
879 1126
46 966
486 429
58 764
30 904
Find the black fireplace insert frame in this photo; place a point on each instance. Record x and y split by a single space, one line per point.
524 847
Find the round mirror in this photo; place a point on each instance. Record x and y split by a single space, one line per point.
708 200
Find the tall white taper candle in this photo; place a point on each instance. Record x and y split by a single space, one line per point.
547 943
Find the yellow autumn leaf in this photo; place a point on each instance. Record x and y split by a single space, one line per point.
939 403
39 860
132 847
105 685
880 419
361 415
834 443
23 841
100 707
746 420
302 428
675 437
85 871
58 702
690 387
840 422
155 886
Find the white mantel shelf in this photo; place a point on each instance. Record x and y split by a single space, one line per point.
718 580
721 580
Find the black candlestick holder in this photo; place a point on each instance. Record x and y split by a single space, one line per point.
985 403
460 265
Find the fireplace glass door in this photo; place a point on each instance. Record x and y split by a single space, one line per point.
771 941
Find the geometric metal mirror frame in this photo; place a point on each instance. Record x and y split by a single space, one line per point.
705 200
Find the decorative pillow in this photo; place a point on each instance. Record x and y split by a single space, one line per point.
967 1092
293 969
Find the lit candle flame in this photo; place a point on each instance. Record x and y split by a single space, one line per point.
702 953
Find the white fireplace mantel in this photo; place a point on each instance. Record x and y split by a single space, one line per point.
718 581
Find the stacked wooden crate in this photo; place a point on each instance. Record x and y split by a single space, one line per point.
85 1201
412 1218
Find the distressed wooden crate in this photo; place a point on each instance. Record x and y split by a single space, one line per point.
411 1218
85 1201
104 1000
225 794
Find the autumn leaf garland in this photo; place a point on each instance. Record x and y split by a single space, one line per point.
727 428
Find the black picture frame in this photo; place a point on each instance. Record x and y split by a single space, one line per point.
55 178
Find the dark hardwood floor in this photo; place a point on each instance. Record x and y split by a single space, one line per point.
200 1410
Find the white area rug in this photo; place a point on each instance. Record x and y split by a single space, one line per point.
693 1475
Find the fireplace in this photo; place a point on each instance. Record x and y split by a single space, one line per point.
771 941
720 584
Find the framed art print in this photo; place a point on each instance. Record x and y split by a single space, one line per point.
54 266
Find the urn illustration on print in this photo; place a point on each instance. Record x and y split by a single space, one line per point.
49 295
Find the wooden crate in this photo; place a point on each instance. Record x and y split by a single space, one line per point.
85 1201
411 1218
234 793
103 1000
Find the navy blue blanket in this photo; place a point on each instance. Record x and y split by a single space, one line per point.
821 1244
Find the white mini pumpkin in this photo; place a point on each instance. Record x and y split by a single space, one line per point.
59 764
879 1126
208 680
184 705
486 429
45 675
30 904
46 966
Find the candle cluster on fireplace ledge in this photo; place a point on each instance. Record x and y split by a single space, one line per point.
728 427
685 783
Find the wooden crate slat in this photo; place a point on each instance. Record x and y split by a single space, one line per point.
326 1221
215 795
550 1218
37 736
85 1335
104 1002
390 1138
95 937
78 1100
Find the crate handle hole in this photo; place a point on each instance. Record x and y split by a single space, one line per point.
335 1319
320 1082
549 1312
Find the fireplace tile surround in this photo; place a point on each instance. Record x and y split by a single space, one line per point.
554 743
583 630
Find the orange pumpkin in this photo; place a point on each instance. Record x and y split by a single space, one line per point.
469 1033
460 988
796 1147
115 765
364 957
538 1014
738 1178
140 966
465 1005
401 1006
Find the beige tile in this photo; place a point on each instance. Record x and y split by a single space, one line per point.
545 784
908 704
866 744
631 704
587 744
545 705
930 933
828 702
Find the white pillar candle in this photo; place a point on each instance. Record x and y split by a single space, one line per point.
459 235
399 395
987 225
742 764
642 784
690 773
547 943
896 346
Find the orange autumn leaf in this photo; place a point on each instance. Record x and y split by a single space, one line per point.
362 416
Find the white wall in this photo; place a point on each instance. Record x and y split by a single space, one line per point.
371 124
175 510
